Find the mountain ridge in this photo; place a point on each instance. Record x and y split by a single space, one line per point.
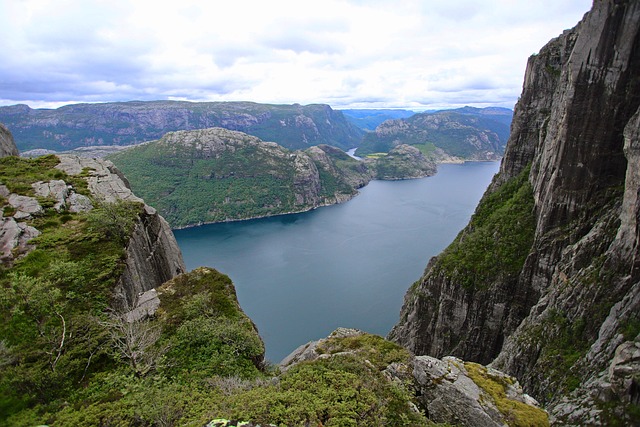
126 123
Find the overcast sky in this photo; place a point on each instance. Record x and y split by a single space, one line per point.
347 53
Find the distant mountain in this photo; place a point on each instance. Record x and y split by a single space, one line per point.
215 175
368 120
126 123
466 133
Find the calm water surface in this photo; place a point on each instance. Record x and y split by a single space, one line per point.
301 276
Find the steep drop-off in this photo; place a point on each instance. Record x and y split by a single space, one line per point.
544 280
7 144
99 327
126 123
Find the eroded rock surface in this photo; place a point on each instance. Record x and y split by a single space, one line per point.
7 144
447 390
153 256
556 325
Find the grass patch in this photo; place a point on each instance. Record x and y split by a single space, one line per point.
375 155
376 349
497 240
18 174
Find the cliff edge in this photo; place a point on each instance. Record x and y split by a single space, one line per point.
544 281
7 144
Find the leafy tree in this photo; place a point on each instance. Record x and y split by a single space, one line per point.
114 219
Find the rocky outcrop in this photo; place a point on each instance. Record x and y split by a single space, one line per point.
14 239
404 162
66 199
335 162
152 255
468 394
311 350
7 144
447 391
105 181
152 258
128 123
565 321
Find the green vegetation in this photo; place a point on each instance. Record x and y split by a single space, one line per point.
49 296
426 149
375 155
346 389
402 162
518 414
462 133
497 240
244 178
565 343
207 332
188 188
68 359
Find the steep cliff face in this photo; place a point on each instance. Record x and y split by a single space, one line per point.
152 253
563 315
7 145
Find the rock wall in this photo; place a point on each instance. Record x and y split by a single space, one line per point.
152 255
7 145
567 324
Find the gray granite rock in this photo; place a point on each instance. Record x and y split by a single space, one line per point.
25 206
7 145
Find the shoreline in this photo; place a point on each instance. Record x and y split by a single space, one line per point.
328 204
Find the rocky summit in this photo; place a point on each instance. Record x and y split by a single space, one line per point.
544 282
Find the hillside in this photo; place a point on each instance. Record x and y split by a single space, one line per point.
100 325
544 281
215 175
126 123
369 119
464 134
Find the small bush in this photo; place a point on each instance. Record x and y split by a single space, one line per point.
114 220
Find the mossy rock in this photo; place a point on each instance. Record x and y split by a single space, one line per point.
515 412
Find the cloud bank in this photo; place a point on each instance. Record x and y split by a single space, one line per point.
347 53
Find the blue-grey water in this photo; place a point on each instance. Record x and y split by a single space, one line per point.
300 276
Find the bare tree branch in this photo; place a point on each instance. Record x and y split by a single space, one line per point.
135 341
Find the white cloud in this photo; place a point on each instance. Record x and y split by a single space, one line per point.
342 52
